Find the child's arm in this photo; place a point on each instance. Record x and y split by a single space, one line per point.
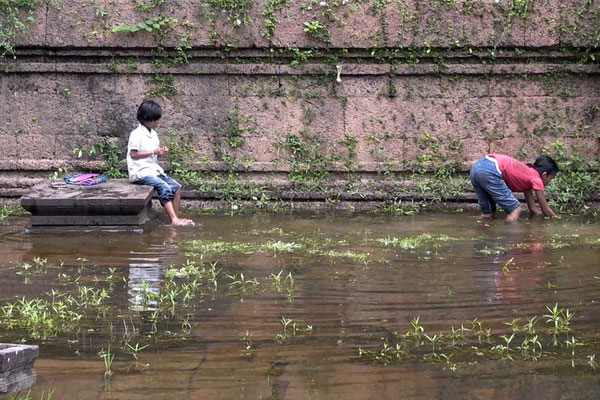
533 207
541 199
136 155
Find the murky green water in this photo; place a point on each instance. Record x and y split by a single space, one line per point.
310 306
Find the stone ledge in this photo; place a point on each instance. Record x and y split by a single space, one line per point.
15 356
348 69
115 202
17 380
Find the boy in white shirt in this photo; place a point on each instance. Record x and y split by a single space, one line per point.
142 161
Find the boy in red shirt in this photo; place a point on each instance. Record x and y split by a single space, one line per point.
496 176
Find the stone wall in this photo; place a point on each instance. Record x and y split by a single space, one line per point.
356 99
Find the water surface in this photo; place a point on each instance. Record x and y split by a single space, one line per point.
310 306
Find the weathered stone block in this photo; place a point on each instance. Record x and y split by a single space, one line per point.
35 146
36 33
485 25
8 149
541 24
272 118
115 202
16 380
438 24
578 23
359 26
15 356
401 20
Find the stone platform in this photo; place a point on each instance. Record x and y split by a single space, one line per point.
112 205
16 366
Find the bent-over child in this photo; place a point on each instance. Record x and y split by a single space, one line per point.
143 150
496 176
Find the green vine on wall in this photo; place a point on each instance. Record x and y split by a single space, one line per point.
163 86
16 18
147 5
237 11
272 7
576 179
159 25
112 163
308 161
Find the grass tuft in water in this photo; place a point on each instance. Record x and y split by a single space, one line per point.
468 345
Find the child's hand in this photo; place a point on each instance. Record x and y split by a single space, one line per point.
536 210
160 151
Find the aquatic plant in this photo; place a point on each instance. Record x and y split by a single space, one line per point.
44 396
291 329
286 284
280 247
108 359
560 319
406 243
361 257
248 344
240 284
466 345
9 211
135 350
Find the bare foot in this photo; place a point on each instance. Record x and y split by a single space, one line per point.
514 215
486 216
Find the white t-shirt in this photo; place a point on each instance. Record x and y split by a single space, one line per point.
143 140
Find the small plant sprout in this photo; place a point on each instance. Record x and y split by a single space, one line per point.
135 350
572 343
417 330
284 335
531 348
458 334
504 349
213 272
111 274
276 280
592 361
40 262
108 358
239 281
529 327
514 325
434 339
505 269
186 326
248 344
43 396
560 319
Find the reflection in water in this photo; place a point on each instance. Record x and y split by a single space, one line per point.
144 286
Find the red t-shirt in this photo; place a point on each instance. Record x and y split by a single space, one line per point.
518 176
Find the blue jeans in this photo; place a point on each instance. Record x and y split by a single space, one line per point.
490 188
165 187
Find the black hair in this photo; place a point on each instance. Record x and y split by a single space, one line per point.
149 111
545 164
